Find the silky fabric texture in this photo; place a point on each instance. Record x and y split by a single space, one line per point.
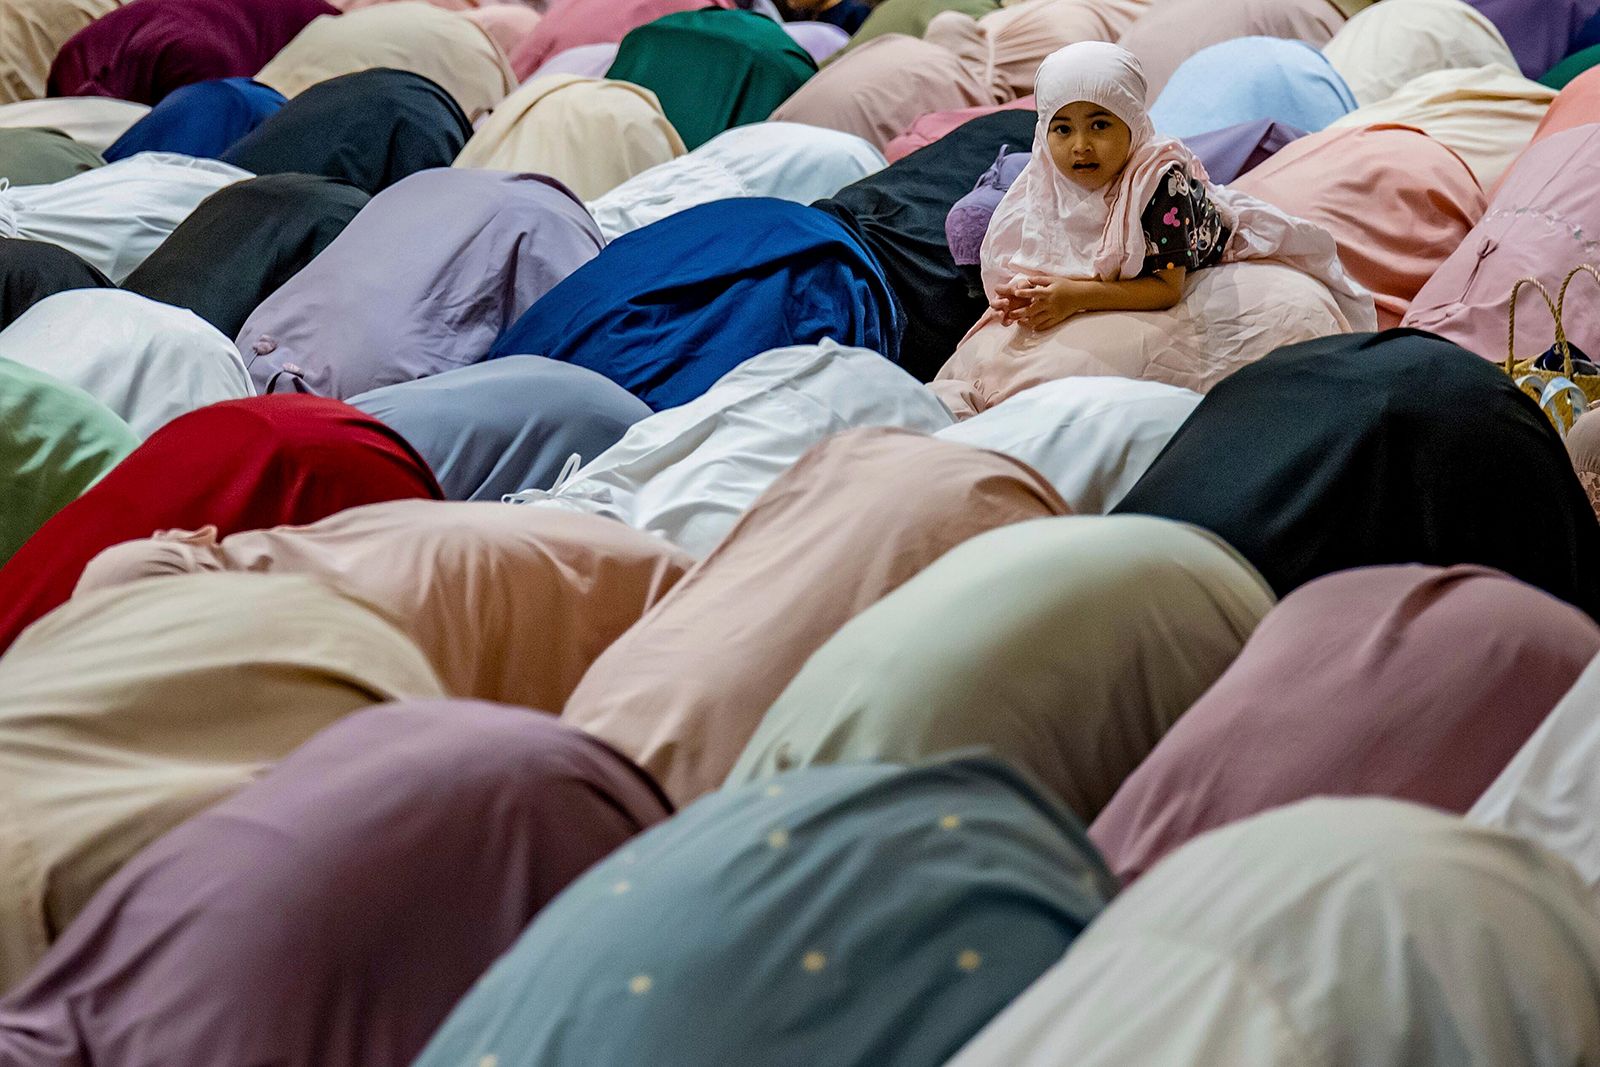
1391 43
1230 316
879 89
243 242
1547 792
591 134
1366 449
713 69
146 361
1583 445
446 48
1538 226
934 125
890 911
1390 244
1233 151
1174 30
1345 932
471 815
682 692
239 465
372 129
55 441
787 160
1540 32
469 251
145 49
93 121
1485 115
114 216
688 473
33 270
1093 438
507 604
124 712
31 33
1324 701
1067 646
1251 78
900 215
508 424
574 23
39 156
911 17
669 309
204 119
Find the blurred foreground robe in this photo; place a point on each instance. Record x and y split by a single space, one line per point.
243 243
146 361
668 309
384 865
126 711
1324 700
1395 447
507 603
1351 933
855 916
1068 646
145 49
55 441
682 691
240 465
466 252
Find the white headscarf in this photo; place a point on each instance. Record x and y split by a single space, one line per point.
1047 224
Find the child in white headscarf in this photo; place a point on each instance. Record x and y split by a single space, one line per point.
1109 216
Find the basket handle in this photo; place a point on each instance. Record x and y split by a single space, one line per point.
1555 313
1561 310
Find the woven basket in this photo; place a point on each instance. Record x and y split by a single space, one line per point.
1562 394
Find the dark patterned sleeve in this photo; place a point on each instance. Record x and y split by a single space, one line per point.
1169 225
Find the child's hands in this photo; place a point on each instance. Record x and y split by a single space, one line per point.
1047 302
1007 302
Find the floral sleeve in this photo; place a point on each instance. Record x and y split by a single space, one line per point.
1181 226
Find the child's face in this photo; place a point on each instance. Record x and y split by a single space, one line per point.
1089 144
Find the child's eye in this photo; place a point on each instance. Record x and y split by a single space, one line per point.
1062 128
1101 125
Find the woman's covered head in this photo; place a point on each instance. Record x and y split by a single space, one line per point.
1091 111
